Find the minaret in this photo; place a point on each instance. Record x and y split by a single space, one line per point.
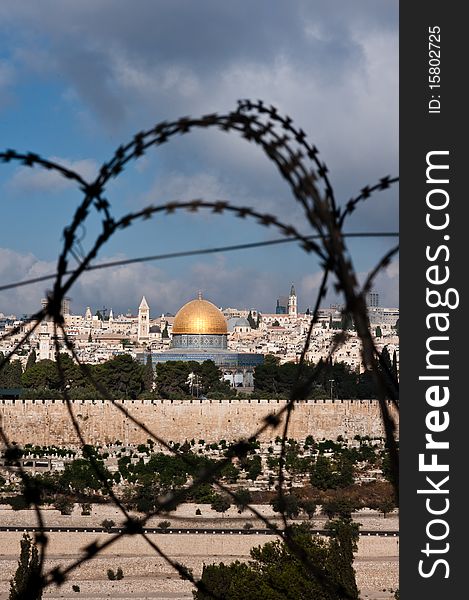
143 334
88 315
292 303
44 341
111 316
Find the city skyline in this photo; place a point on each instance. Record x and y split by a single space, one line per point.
157 311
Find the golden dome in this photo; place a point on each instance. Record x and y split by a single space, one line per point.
200 316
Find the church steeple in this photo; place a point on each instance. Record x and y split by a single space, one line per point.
292 303
143 321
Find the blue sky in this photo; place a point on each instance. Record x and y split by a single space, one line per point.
79 78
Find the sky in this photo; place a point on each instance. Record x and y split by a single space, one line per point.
77 79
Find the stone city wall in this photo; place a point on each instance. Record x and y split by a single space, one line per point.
47 422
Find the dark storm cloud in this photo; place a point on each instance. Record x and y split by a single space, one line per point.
208 37
331 65
207 32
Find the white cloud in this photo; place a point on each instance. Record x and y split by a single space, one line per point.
122 287
178 186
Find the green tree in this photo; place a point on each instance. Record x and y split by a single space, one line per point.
148 375
168 471
122 376
81 475
31 360
345 474
366 388
254 467
309 507
338 506
323 476
72 376
210 376
220 503
202 494
230 473
251 321
26 583
395 371
171 378
346 321
288 504
242 498
386 505
342 546
387 369
276 573
107 525
43 374
266 375
63 504
386 466
10 374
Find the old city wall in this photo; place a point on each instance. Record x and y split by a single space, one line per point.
47 422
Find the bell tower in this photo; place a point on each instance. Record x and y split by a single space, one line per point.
292 303
143 334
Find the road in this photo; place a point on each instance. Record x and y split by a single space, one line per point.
184 530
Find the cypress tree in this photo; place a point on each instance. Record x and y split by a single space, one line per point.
344 538
31 360
148 375
394 366
26 584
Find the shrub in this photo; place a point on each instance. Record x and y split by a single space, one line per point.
86 509
309 507
287 504
247 525
17 502
339 506
64 505
111 575
198 512
119 574
76 588
107 525
242 498
164 524
220 503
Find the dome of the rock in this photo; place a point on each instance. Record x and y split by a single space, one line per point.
199 317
